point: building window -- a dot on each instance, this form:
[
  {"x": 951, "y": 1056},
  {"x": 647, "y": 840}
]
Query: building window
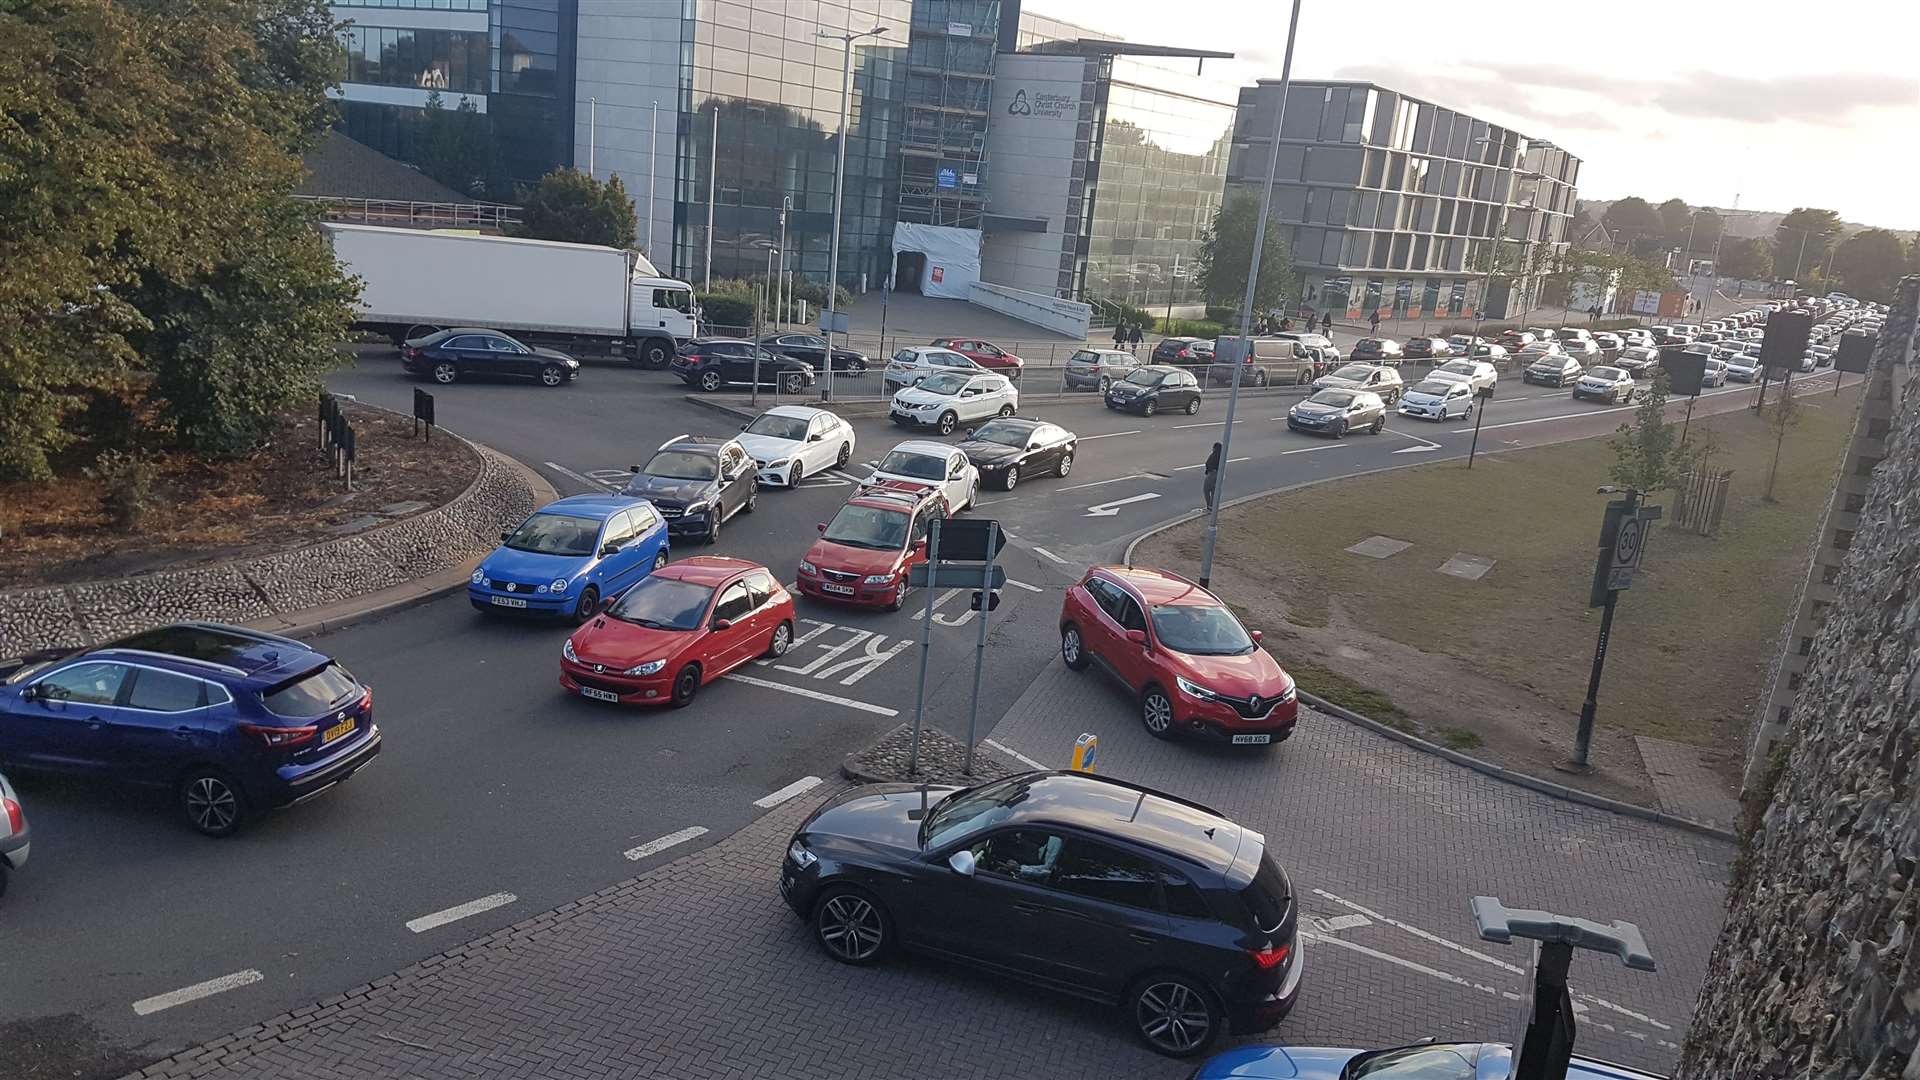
[
  {"x": 454, "y": 61},
  {"x": 436, "y": 5}
]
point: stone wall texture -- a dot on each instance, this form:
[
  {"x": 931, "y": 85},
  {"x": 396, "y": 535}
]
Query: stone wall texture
[
  {"x": 284, "y": 583},
  {"x": 1816, "y": 972}
]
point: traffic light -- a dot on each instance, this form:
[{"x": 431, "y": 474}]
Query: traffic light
[{"x": 993, "y": 600}]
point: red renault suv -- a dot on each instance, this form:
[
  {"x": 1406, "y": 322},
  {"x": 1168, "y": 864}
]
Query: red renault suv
[{"x": 1195, "y": 668}]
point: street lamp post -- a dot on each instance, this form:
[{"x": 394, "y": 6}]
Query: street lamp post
[
  {"x": 839, "y": 181},
  {"x": 713, "y": 161},
  {"x": 1246, "y": 305},
  {"x": 653, "y": 169},
  {"x": 786, "y": 206}
]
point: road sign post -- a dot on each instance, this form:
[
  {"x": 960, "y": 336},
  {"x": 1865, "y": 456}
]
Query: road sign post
[
  {"x": 1623, "y": 543},
  {"x": 967, "y": 542},
  {"x": 926, "y": 646},
  {"x": 980, "y": 646}
]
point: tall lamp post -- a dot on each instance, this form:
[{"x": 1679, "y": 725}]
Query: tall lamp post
[
  {"x": 839, "y": 181},
  {"x": 1246, "y": 304},
  {"x": 786, "y": 207}
]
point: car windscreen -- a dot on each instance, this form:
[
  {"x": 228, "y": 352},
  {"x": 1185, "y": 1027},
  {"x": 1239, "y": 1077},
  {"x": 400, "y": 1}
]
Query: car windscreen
[
  {"x": 1200, "y": 630},
  {"x": 1458, "y": 367},
  {"x": 1436, "y": 387},
  {"x": 944, "y": 383},
  {"x": 868, "y": 527},
  {"x": 663, "y": 603},
  {"x": 1012, "y": 435},
  {"x": 1339, "y": 399},
  {"x": 1144, "y": 377},
  {"x": 310, "y": 695},
  {"x": 791, "y": 428},
  {"x": 1356, "y": 372},
  {"x": 682, "y": 465},
  {"x": 967, "y": 812},
  {"x": 555, "y": 534},
  {"x": 1608, "y": 374},
  {"x": 918, "y": 466}
]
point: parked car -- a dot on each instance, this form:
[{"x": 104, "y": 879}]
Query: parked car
[
  {"x": 1578, "y": 343},
  {"x": 1515, "y": 339},
  {"x": 711, "y": 363},
  {"x": 1438, "y": 399},
  {"x": 1610, "y": 346},
  {"x": 1427, "y": 348},
  {"x": 1716, "y": 372},
  {"x": 1421, "y": 1061},
  {"x": 1480, "y": 375},
  {"x": 1010, "y": 449},
  {"x": 791, "y": 442},
  {"x": 916, "y": 362},
  {"x": 937, "y": 466},
  {"x": 1377, "y": 350},
  {"x": 1605, "y": 383},
  {"x": 1329, "y": 353},
  {"x": 468, "y": 352},
  {"x": 684, "y": 626},
  {"x": 1743, "y": 367},
  {"x": 1638, "y": 360},
  {"x": 698, "y": 483},
  {"x": 1637, "y": 337},
  {"x": 1336, "y": 412},
  {"x": 16, "y": 839},
  {"x": 1372, "y": 378},
  {"x": 985, "y": 353},
  {"x": 1493, "y": 354},
  {"x": 1097, "y": 369},
  {"x": 812, "y": 348},
  {"x": 875, "y": 538},
  {"x": 947, "y": 400},
  {"x": 1080, "y": 883},
  {"x": 1552, "y": 369},
  {"x": 234, "y": 721},
  {"x": 1182, "y": 351},
  {"x": 1155, "y": 388},
  {"x": 570, "y": 556},
  {"x": 1541, "y": 333}
]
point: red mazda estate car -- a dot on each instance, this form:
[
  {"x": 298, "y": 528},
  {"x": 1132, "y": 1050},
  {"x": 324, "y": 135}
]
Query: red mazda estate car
[
  {"x": 683, "y": 626},
  {"x": 1196, "y": 669},
  {"x": 864, "y": 553}
]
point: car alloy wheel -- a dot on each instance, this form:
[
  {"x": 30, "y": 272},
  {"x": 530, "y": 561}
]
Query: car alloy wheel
[
  {"x": 793, "y": 475},
  {"x": 1156, "y": 712},
  {"x": 1066, "y": 464},
  {"x": 1378, "y": 426},
  {"x": 1105, "y": 385},
  {"x": 782, "y": 640},
  {"x": 947, "y": 422},
  {"x": 1340, "y": 430},
  {"x": 213, "y": 805},
  {"x": 709, "y": 381},
  {"x": 1173, "y": 1015},
  {"x": 1193, "y": 406},
  {"x": 552, "y": 375},
  {"x": 659, "y": 559},
  {"x": 1013, "y": 477},
  {"x": 1073, "y": 651},
  {"x": 1147, "y": 409},
  {"x": 850, "y": 927},
  {"x": 753, "y": 496},
  {"x": 588, "y": 606},
  {"x": 1005, "y": 410},
  {"x": 793, "y": 383},
  {"x": 846, "y": 455},
  {"x": 445, "y": 372},
  {"x": 713, "y": 524},
  {"x": 685, "y": 685}
]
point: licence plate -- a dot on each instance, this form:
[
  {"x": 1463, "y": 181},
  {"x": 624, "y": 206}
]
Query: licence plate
[
  {"x": 843, "y": 590},
  {"x": 342, "y": 728},
  {"x": 506, "y": 601},
  {"x": 599, "y": 695},
  {"x": 1252, "y": 740}
]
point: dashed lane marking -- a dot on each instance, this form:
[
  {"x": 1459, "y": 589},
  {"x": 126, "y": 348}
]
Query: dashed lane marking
[
  {"x": 1024, "y": 585},
  {"x": 1098, "y": 483},
  {"x": 460, "y": 911},
  {"x": 1210, "y": 423},
  {"x": 1313, "y": 449},
  {"x": 1202, "y": 465},
  {"x": 150, "y": 1005},
  {"x": 1108, "y": 435},
  {"x": 656, "y": 846},
  {"x": 798, "y": 787},
  {"x": 800, "y": 691}
]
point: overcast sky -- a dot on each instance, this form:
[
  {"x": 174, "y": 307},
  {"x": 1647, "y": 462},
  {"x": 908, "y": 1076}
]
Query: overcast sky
[{"x": 1784, "y": 105}]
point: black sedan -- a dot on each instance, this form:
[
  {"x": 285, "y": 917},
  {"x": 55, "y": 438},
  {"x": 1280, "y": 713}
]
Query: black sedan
[
  {"x": 1076, "y": 882},
  {"x": 813, "y": 349},
  {"x": 711, "y": 363},
  {"x": 1155, "y": 388},
  {"x": 697, "y": 483},
  {"x": 1010, "y": 449},
  {"x": 466, "y": 352}
]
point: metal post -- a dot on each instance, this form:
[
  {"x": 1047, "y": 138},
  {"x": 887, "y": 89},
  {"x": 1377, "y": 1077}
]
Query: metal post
[
  {"x": 926, "y": 646},
  {"x": 1584, "y": 738},
  {"x": 593, "y": 119},
  {"x": 1246, "y": 303},
  {"x": 980, "y": 646},
  {"x": 653, "y": 170},
  {"x": 1479, "y": 414},
  {"x": 713, "y": 162},
  {"x": 1171, "y": 279},
  {"x": 786, "y": 205},
  {"x": 839, "y": 180}
]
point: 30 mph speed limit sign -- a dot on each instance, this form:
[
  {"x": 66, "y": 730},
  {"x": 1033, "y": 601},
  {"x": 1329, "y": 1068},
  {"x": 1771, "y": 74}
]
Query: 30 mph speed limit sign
[{"x": 1623, "y": 543}]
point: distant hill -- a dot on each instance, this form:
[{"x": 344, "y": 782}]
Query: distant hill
[{"x": 1742, "y": 222}]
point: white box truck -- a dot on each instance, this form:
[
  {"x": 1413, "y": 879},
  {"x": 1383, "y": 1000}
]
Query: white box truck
[{"x": 579, "y": 298}]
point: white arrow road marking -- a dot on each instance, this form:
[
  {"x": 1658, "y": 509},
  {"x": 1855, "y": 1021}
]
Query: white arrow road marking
[
  {"x": 460, "y": 911},
  {"x": 1024, "y": 585},
  {"x": 1044, "y": 553},
  {"x": 1108, "y": 435},
  {"x": 147, "y": 1006},
  {"x": 1097, "y": 483},
  {"x": 1202, "y": 465},
  {"x": 1428, "y": 443},
  {"x": 1110, "y": 509},
  {"x": 587, "y": 480}
]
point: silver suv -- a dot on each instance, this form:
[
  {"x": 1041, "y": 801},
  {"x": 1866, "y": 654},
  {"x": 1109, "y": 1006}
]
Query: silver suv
[{"x": 1097, "y": 369}]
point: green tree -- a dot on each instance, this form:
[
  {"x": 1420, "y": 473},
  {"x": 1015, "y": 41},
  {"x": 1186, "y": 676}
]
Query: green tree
[
  {"x": 1226, "y": 253},
  {"x": 1633, "y": 219},
  {"x": 1802, "y": 239},
  {"x": 1783, "y": 416},
  {"x": 1706, "y": 226},
  {"x": 1644, "y": 455},
  {"x": 569, "y": 205},
  {"x": 1869, "y": 262},
  {"x": 1674, "y": 217},
  {"x": 1746, "y": 257},
  {"x": 457, "y": 145}
]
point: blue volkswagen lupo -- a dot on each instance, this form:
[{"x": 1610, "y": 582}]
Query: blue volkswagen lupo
[{"x": 571, "y": 556}]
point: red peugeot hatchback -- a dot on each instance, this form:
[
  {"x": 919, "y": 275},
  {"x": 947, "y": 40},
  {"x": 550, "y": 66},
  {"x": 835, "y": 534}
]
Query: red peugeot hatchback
[
  {"x": 683, "y": 626},
  {"x": 1195, "y": 668}
]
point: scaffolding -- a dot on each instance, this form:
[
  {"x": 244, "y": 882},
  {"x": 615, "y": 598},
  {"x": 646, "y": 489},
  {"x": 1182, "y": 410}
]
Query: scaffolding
[{"x": 943, "y": 145}]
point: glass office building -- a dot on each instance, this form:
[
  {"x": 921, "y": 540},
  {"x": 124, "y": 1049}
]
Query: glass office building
[{"x": 1395, "y": 206}]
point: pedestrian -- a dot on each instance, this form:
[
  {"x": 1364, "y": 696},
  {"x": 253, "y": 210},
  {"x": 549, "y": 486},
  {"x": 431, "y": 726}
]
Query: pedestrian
[
  {"x": 1119, "y": 334},
  {"x": 1326, "y": 321},
  {"x": 1373, "y": 322},
  {"x": 1133, "y": 339},
  {"x": 1212, "y": 474}
]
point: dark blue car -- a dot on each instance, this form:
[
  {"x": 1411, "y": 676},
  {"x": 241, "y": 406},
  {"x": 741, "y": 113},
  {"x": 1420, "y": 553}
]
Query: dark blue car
[
  {"x": 1422, "y": 1061},
  {"x": 571, "y": 556},
  {"x": 233, "y": 720}
]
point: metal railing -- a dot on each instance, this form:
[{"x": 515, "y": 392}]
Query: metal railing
[{"x": 417, "y": 215}]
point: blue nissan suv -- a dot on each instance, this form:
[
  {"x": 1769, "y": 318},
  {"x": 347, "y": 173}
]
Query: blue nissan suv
[
  {"x": 570, "y": 557},
  {"x": 233, "y": 720}
]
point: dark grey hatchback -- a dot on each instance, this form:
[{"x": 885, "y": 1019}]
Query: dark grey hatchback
[{"x": 1084, "y": 884}]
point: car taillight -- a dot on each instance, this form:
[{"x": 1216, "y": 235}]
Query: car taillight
[
  {"x": 366, "y": 698},
  {"x": 1268, "y": 959},
  {"x": 1186, "y": 354},
  {"x": 281, "y": 738},
  {"x": 410, "y": 353},
  {"x": 16, "y": 817}
]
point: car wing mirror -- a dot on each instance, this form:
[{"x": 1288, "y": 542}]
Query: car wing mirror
[
  {"x": 31, "y": 693},
  {"x": 633, "y": 468},
  {"x": 962, "y": 862},
  {"x": 611, "y": 547},
  {"x": 723, "y": 624},
  {"x": 969, "y": 433},
  {"x": 816, "y": 437},
  {"x": 820, "y": 526},
  {"x": 1138, "y": 637},
  {"x": 503, "y": 537},
  {"x": 920, "y": 544},
  {"x": 1255, "y": 634}
]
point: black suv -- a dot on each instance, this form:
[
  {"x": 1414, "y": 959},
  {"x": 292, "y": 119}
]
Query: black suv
[
  {"x": 1080, "y": 883},
  {"x": 711, "y": 363},
  {"x": 696, "y": 483}
]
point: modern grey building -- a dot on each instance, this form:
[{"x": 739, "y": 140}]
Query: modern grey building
[{"x": 1396, "y": 206}]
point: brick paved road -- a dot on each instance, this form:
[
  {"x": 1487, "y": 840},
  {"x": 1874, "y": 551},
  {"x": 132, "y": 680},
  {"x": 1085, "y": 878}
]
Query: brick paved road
[{"x": 697, "y": 970}]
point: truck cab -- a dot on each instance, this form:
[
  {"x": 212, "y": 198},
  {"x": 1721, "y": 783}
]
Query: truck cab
[{"x": 659, "y": 309}]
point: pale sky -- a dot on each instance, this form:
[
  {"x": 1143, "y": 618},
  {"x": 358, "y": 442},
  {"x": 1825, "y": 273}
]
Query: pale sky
[{"x": 1783, "y": 104}]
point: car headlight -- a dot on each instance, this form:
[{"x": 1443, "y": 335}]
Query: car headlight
[
  {"x": 566, "y": 650},
  {"x": 801, "y": 857},
  {"x": 775, "y": 464},
  {"x": 699, "y": 507},
  {"x": 651, "y": 667},
  {"x": 877, "y": 579},
  {"x": 1293, "y": 690},
  {"x": 808, "y": 568},
  {"x": 479, "y": 575},
  {"x": 1194, "y": 689},
  {"x": 559, "y": 585}
]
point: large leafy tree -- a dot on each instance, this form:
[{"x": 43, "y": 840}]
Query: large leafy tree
[
  {"x": 1869, "y": 262},
  {"x": 1802, "y": 239},
  {"x": 1746, "y": 257},
  {"x": 1674, "y": 216},
  {"x": 1226, "y": 254},
  {"x": 1633, "y": 219},
  {"x": 569, "y": 205}
]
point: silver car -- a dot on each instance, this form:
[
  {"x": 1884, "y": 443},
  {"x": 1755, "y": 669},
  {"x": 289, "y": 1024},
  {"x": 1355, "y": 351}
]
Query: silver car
[
  {"x": 1373, "y": 378},
  {"x": 1438, "y": 399},
  {"x": 1336, "y": 412},
  {"x": 1097, "y": 369},
  {"x": 14, "y": 837}
]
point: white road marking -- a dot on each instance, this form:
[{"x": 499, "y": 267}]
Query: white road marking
[
  {"x": 1603, "y": 412},
  {"x": 798, "y": 787},
  {"x": 920, "y": 612},
  {"x": 460, "y": 911},
  {"x": 1050, "y": 555},
  {"x": 1444, "y": 976},
  {"x": 587, "y": 480},
  {"x": 1108, "y": 435},
  {"x": 1202, "y": 465},
  {"x": 1024, "y": 585},
  {"x": 150, "y": 1005},
  {"x": 1014, "y": 754},
  {"x": 1311, "y": 449},
  {"x": 655, "y": 847},
  {"x": 1097, "y": 483},
  {"x": 849, "y": 477},
  {"x": 816, "y": 695},
  {"x": 1344, "y": 922},
  {"x": 1110, "y": 509},
  {"x": 1210, "y": 423},
  {"x": 1415, "y": 438}
]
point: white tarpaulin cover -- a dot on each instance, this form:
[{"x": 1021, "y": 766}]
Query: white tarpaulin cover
[{"x": 953, "y": 257}]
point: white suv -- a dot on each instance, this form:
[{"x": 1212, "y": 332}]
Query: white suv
[{"x": 914, "y": 363}]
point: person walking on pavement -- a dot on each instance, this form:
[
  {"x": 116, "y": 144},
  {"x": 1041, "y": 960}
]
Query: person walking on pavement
[
  {"x": 1133, "y": 339},
  {"x": 1373, "y": 323},
  {"x": 1119, "y": 334},
  {"x": 1326, "y": 322},
  {"x": 1212, "y": 474}
]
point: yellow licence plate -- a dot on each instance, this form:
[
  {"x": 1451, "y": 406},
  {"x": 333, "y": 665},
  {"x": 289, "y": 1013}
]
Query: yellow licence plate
[{"x": 337, "y": 730}]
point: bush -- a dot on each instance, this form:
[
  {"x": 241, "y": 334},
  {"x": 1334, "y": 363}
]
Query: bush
[
  {"x": 126, "y": 486},
  {"x": 1200, "y": 328}
]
